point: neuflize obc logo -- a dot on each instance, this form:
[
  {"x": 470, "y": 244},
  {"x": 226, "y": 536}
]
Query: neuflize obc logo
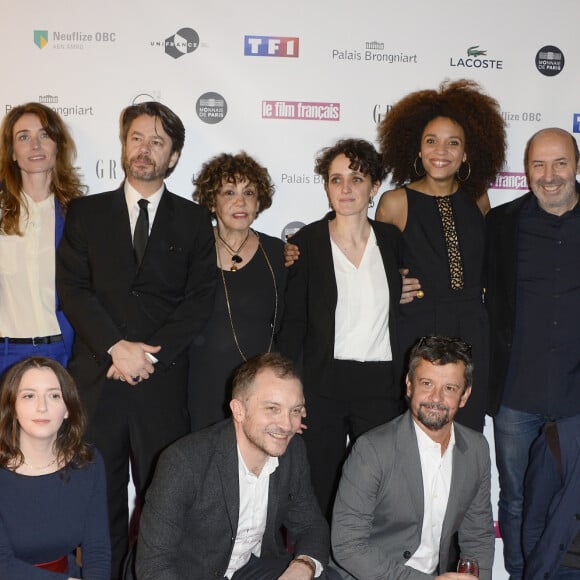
[
  {"x": 280, "y": 46},
  {"x": 41, "y": 38}
]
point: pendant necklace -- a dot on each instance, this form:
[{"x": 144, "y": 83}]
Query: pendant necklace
[
  {"x": 236, "y": 258},
  {"x": 229, "y": 307}
]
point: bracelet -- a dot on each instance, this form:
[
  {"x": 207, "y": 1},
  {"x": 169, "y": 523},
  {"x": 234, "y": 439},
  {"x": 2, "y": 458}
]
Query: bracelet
[{"x": 306, "y": 562}]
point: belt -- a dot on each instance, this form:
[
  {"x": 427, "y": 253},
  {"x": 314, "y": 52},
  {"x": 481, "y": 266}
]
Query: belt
[
  {"x": 60, "y": 565},
  {"x": 35, "y": 340}
]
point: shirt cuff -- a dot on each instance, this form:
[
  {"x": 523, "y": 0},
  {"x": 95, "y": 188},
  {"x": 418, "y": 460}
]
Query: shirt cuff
[{"x": 318, "y": 565}]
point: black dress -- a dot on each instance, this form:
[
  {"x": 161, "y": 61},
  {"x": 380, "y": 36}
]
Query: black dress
[
  {"x": 213, "y": 354},
  {"x": 444, "y": 310}
]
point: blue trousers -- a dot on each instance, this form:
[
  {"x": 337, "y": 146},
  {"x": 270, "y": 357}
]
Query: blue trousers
[
  {"x": 12, "y": 353},
  {"x": 514, "y": 433}
]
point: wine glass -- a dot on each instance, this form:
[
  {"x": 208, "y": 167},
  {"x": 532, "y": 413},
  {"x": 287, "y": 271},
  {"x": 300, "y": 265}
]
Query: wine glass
[{"x": 468, "y": 565}]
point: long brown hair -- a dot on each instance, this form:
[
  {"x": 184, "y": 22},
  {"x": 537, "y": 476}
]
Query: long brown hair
[
  {"x": 70, "y": 447},
  {"x": 66, "y": 183}
]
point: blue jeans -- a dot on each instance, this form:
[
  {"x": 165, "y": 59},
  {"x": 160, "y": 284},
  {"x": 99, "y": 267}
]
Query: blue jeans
[{"x": 514, "y": 433}]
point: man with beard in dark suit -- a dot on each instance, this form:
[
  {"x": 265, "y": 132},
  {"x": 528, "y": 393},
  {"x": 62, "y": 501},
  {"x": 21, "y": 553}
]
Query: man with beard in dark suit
[{"x": 136, "y": 275}]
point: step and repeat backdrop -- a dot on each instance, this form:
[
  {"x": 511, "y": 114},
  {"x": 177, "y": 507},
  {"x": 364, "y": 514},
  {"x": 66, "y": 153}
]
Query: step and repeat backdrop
[{"x": 283, "y": 79}]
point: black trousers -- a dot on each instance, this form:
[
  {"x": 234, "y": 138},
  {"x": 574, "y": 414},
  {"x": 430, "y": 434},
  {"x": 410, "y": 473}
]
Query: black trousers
[
  {"x": 364, "y": 395},
  {"x": 130, "y": 428}
]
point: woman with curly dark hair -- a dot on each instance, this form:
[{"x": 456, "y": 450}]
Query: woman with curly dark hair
[
  {"x": 443, "y": 148},
  {"x": 37, "y": 182},
  {"x": 52, "y": 484},
  {"x": 340, "y": 313},
  {"x": 252, "y": 278}
]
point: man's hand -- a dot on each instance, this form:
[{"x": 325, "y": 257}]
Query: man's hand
[
  {"x": 298, "y": 569},
  {"x": 411, "y": 287},
  {"x": 130, "y": 361},
  {"x": 291, "y": 254}
]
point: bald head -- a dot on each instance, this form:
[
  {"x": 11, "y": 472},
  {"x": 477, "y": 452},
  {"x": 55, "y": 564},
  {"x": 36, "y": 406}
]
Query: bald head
[{"x": 551, "y": 161}]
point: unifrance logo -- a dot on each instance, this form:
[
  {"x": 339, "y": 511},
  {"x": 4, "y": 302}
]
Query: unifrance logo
[
  {"x": 550, "y": 61},
  {"x": 473, "y": 59},
  {"x": 41, "y": 38},
  {"x": 576, "y": 123},
  {"x": 280, "y": 46},
  {"x": 184, "y": 41},
  {"x": 301, "y": 110}
]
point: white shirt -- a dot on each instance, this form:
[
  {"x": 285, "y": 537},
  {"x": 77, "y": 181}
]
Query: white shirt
[
  {"x": 361, "y": 317},
  {"x": 27, "y": 271},
  {"x": 437, "y": 471},
  {"x": 253, "y": 515},
  {"x": 132, "y": 197}
]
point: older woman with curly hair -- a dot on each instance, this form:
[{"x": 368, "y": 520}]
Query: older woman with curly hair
[
  {"x": 52, "y": 484},
  {"x": 252, "y": 278},
  {"x": 37, "y": 182},
  {"x": 340, "y": 313},
  {"x": 443, "y": 148}
]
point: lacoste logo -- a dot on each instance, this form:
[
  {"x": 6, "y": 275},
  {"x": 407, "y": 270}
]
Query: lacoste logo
[{"x": 473, "y": 51}]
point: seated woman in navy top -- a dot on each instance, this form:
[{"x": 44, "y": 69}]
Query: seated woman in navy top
[{"x": 52, "y": 484}]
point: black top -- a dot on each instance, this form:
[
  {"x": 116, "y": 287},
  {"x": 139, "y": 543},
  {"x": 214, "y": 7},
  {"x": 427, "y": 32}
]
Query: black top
[
  {"x": 444, "y": 310},
  {"x": 425, "y": 251},
  {"x": 543, "y": 373},
  {"x": 213, "y": 353}
]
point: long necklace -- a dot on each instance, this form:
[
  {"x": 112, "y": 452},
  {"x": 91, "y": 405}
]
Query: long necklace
[
  {"x": 236, "y": 258},
  {"x": 227, "y": 295}
]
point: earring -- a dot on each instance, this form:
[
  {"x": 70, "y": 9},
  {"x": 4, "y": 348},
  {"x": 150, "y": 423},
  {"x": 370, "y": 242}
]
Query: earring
[
  {"x": 371, "y": 202},
  {"x": 462, "y": 179},
  {"x": 415, "y": 167}
]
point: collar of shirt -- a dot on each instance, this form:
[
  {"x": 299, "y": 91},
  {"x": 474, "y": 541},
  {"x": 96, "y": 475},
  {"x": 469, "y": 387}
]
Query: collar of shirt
[
  {"x": 269, "y": 467},
  {"x": 535, "y": 208},
  {"x": 132, "y": 197},
  {"x": 426, "y": 444}
]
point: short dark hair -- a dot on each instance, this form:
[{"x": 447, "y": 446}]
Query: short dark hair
[
  {"x": 442, "y": 350},
  {"x": 170, "y": 122},
  {"x": 69, "y": 445},
  {"x": 245, "y": 375},
  {"x": 362, "y": 155},
  {"x": 556, "y": 130},
  {"x": 232, "y": 169}
]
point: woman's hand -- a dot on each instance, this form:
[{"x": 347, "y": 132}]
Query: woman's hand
[
  {"x": 291, "y": 254},
  {"x": 411, "y": 287}
]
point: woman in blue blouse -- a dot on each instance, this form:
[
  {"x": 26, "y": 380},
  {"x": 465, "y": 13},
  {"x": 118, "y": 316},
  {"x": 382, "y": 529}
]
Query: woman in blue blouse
[{"x": 52, "y": 484}]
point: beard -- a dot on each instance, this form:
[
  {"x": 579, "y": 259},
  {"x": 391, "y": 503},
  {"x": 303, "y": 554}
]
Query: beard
[
  {"x": 435, "y": 422},
  {"x": 148, "y": 172}
]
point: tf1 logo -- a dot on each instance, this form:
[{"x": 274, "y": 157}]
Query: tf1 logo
[{"x": 287, "y": 46}]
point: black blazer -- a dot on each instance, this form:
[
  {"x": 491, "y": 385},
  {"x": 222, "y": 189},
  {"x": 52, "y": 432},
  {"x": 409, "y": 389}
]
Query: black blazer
[
  {"x": 311, "y": 295},
  {"x": 165, "y": 301},
  {"x": 500, "y": 279},
  {"x": 190, "y": 520}
]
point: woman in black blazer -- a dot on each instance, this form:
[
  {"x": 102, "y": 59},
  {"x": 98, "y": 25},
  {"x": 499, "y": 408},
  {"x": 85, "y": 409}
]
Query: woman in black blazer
[{"x": 340, "y": 313}]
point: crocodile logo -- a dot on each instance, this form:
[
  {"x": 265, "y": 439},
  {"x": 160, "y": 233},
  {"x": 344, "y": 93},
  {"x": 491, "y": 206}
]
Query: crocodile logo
[{"x": 473, "y": 51}]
